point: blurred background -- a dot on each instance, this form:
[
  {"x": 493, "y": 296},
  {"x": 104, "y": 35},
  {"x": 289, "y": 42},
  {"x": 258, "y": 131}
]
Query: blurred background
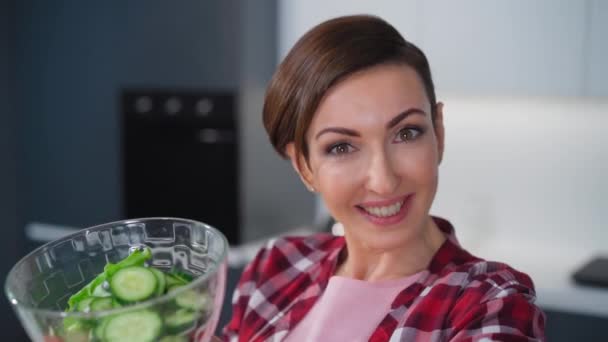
[{"x": 114, "y": 109}]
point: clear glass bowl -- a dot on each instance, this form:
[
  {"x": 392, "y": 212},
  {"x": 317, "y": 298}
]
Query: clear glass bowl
[{"x": 40, "y": 284}]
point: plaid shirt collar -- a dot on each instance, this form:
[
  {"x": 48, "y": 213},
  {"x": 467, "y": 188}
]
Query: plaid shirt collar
[{"x": 450, "y": 252}]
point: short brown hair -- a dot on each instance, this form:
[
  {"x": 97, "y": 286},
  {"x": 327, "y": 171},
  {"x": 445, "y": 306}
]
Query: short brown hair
[{"x": 326, "y": 54}]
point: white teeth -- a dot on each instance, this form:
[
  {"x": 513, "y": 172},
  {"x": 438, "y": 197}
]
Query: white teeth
[{"x": 384, "y": 211}]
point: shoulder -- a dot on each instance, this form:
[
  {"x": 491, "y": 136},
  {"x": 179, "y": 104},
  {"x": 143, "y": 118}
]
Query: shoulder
[
  {"x": 470, "y": 281},
  {"x": 469, "y": 275},
  {"x": 301, "y": 252},
  {"x": 489, "y": 299},
  {"x": 490, "y": 291},
  {"x": 481, "y": 280},
  {"x": 495, "y": 301}
]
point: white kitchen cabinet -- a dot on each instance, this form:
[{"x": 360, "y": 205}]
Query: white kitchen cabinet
[
  {"x": 513, "y": 48},
  {"x": 596, "y": 72},
  {"x": 505, "y": 47}
]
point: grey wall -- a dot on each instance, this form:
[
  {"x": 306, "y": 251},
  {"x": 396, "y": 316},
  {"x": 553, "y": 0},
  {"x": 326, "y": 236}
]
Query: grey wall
[
  {"x": 596, "y": 54},
  {"x": 273, "y": 198},
  {"x": 11, "y": 243},
  {"x": 8, "y": 174},
  {"x": 72, "y": 58}
]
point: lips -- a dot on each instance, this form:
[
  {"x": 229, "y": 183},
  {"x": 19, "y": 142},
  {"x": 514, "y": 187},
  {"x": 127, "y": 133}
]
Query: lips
[{"x": 386, "y": 212}]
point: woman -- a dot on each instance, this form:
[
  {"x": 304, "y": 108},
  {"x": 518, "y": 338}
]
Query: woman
[{"x": 353, "y": 107}]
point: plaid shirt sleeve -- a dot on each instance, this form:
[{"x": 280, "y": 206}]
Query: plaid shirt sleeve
[
  {"x": 497, "y": 306},
  {"x": 278, "y": 287},
  {"x": 242, "y": 294}
]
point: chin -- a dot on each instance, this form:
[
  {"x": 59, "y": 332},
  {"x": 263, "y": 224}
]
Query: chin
[{"x": 387, "y": 239}]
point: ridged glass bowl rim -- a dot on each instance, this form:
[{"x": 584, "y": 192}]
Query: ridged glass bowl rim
[{"x": 214, "y": 267}]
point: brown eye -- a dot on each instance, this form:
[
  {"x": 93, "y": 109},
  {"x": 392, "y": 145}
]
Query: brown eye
[
  {"x": 339, "y": 149},
  {"x": 408, "y": 134}
]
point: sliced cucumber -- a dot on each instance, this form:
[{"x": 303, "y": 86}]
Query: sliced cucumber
[
  {"x": 160, "y": 278},
  {"x": 173, "y": 288},
  {"x": 173, "y": 338},
  {"x": 173, "y": 280},
  {"x": 100, "y": 304},
  {"x": 98, "y": 332},
  {"x": 191, "y": 299},
  {"x": 101, "y": 292},
  {"x": 75, "y": 328},
  {"x": 136, "y": 258},
  {"x": 180, "y": 321},
  {"x": 133, "y": 284},
  {"x": 137, "y": 326},
  {"x": 84, "y": 305},
  {"x": 116, "y": 303}
]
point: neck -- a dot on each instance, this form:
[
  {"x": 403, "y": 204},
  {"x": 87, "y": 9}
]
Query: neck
[{"x": 364, "y": 263}]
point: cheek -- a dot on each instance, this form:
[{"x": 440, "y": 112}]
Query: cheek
[
  {"x": 419, "y": 169},
  {"x": 338, "y": 182},
  {"x": 421, "y": 163}
]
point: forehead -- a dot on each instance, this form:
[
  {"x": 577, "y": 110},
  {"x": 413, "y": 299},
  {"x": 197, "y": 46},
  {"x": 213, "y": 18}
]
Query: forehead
[{"x": 374, "y": 94}]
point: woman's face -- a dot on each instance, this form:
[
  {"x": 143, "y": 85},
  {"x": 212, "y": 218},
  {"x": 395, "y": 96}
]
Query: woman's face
[{"x": 374, "y": 154}]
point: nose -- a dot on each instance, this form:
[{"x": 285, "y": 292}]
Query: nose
[{"x": 383, "y": 178}]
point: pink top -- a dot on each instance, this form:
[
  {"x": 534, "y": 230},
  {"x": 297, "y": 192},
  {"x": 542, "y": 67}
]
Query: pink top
[{"x": 349, "y": 309}]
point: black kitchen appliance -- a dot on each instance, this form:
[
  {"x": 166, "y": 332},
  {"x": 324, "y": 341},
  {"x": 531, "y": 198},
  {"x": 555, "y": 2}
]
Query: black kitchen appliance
[
  {"x": 593, "y": 273},
  {"x": 180, "y": 156}
]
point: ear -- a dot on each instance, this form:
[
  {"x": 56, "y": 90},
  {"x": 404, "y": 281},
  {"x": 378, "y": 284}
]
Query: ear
[
  {"x": 300, "y": 165},
  {"x": 439, "y": 130}
]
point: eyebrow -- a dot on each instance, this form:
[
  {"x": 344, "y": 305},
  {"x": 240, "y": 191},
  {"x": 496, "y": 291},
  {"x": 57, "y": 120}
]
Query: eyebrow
[
  {"x": 399, "y": 117},
  {"x": 392, "y": 123}
]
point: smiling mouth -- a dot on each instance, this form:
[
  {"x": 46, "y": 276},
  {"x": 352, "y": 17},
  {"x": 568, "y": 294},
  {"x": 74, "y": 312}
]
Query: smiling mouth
[{"x": 383, "y": 211}]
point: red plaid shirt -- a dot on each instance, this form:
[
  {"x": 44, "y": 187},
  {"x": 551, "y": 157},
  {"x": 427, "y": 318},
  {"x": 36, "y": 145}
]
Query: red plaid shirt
[{"x": 458, "y": 298}]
